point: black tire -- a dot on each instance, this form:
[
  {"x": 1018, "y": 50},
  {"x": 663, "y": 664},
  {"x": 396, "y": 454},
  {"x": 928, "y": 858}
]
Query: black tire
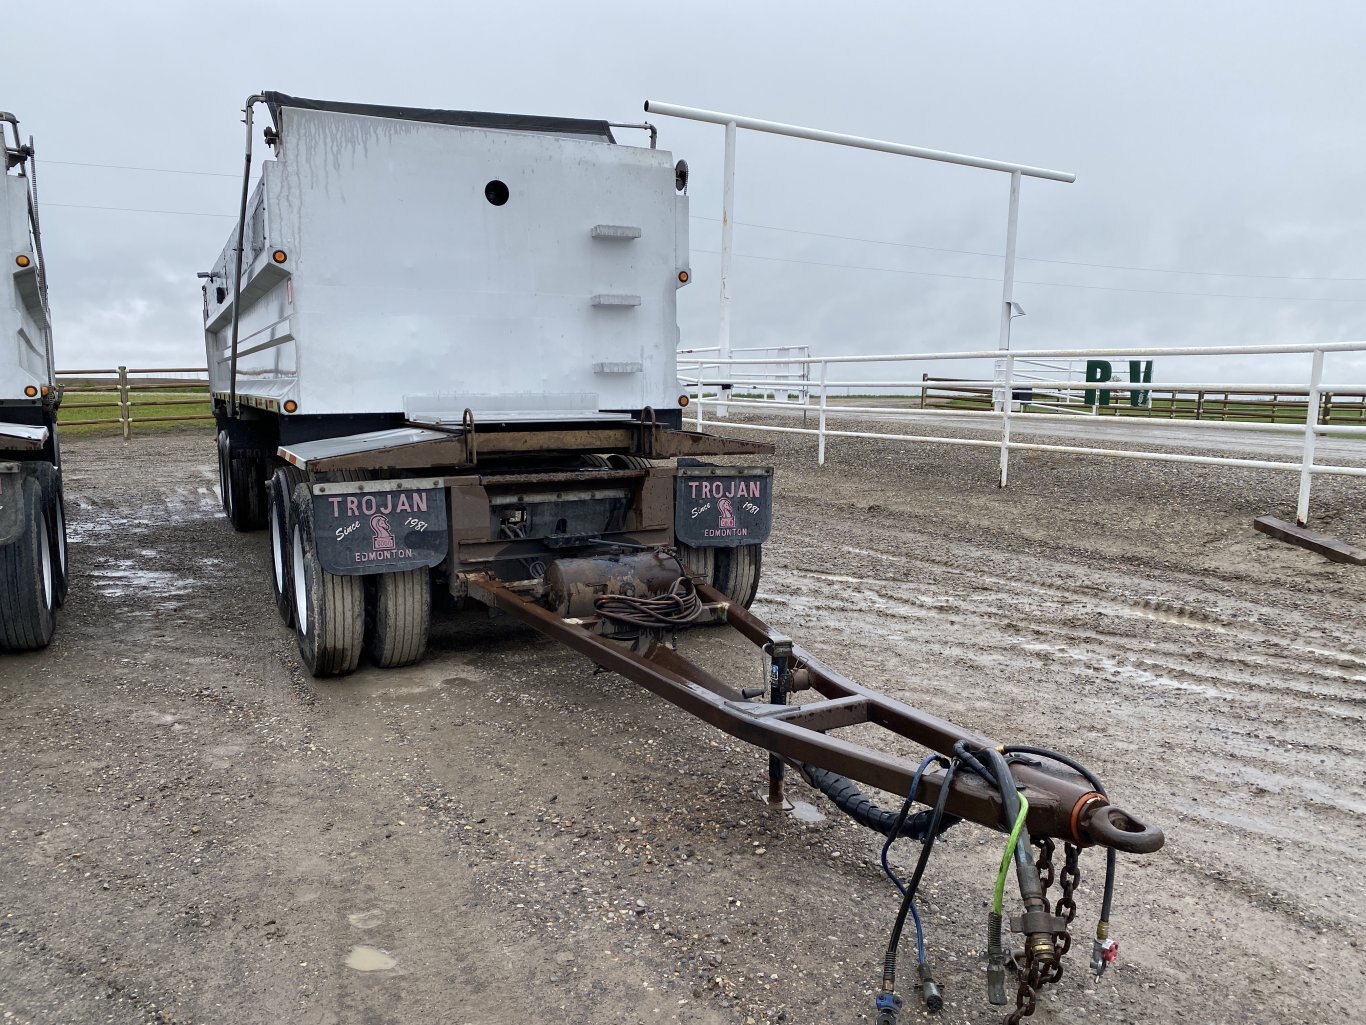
[
  {"x": 399, "y": 616},
  {"x": 54, "y": 504},
  {"x": 245, "y": 490},
  {"x": 618, "y": 461},
  {"x": 737, "y": 573},
  {"x": 280, "y": 503},
  {"x": 222, "y": 442},
  {"x": 699, "y": 562},
  {"x": 329, "y": 610},
  {"x": 28, "y": 612}
]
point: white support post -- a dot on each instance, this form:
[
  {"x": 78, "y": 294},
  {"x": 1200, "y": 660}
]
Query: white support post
[
  {"x": 699, "y": 396},
  {"x": 1005, "y": 420},
  {"x": 820, "y": 433},
  {"x": 727, "y": 236},
  {"x": 1311, "y": 422},
  {"x": 1008, "y": 282}
]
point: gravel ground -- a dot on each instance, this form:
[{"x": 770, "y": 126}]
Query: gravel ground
[{"x": 198, "y": 833}]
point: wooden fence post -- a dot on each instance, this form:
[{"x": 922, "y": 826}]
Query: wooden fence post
[{"x": 124, "y": 418}]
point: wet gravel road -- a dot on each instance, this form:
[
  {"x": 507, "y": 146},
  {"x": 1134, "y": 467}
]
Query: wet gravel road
[{"x": 197, "y": 833}]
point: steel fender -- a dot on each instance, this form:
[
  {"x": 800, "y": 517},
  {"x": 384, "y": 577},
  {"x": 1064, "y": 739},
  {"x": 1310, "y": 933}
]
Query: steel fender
[
  {"x": 12, "y": 523},
  {"x": 723, "y": 506},
  {"x": 382, "y": 529}
]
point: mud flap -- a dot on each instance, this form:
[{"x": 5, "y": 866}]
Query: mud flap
[
  {"x": 723, "y": 506},
  {"x": 379, "y": 527},
  {"x": 12, "y": 523}
]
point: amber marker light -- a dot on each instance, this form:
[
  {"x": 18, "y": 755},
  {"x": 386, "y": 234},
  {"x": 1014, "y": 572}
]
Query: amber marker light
[
  {"x": 682, "y": 400},
  {"x": 683, "y": 276},
  {"x": 291, "y": 406},
  {"x": 22, "y": 260},
  {"x": 31, "y": 391},
  {"x": 279, "y": 256}
]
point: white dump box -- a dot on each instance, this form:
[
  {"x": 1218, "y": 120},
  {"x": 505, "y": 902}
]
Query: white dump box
[
  {"x": 25, "y": 364},
  {"x": 33, "y": 566},
  {"x": 426, "y": 262}
]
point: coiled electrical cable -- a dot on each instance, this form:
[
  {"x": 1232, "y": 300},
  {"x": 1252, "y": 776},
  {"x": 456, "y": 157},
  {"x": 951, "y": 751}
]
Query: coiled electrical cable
[{"x": 678, "y": 606}]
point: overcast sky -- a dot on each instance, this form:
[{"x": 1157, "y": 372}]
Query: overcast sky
[{"x": 1218, "y": 137}]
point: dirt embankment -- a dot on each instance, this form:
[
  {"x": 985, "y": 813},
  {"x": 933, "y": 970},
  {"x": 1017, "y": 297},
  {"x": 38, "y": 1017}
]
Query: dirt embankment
[{"x": 197, "y": 833}]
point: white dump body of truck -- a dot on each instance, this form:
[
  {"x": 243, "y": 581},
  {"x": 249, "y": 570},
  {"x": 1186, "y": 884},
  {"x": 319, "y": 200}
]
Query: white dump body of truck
[
  {"x": 23, "y": 325},
  {"x": 380, "y": 275}
]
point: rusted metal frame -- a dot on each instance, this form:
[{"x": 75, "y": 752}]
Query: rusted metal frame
[
  {"x": 672, "y": 662},
  {"x": 670, "y": 444},
  {"x": 831, "y": 714},
  {"x": 523, "y": 548},
  {"x": 935, "y": 733},
  {"x": 1059, "y": 806},
  {"x": 588, "y": 475},
  {"x": 455, "y": 449}
]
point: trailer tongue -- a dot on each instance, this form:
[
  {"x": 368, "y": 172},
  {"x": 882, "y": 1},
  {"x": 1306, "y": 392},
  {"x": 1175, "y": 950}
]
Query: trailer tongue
[{"x": 1026, "y": 792}]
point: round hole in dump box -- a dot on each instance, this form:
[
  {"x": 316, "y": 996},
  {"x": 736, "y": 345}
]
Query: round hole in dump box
[{"x": 496, "y": 192}]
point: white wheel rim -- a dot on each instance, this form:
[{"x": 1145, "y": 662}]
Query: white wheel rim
[
  {"x": 277, "y": 551},
  {"x": 45, "y": 558},
  {"x": 61, "y": 539},
  {"x": 300, "y": 585}
]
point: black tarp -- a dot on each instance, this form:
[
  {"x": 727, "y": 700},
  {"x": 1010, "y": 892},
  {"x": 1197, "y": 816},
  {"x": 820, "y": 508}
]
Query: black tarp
[{"x": 465, "y": 118}]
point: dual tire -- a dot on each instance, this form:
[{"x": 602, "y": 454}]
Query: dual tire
[
  {"x": 242, "y": 484},
  {"x": 33, "y": 567},
  {"x": 337, "y": 618},
  {"x": 732, "y": 571}
]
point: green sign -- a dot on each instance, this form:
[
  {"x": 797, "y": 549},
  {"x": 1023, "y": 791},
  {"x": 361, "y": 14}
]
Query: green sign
[{"x": 1100, "y": 371}]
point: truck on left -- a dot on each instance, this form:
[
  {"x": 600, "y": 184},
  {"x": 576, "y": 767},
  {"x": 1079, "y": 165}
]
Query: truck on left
[{"x": 33, "y": 565}]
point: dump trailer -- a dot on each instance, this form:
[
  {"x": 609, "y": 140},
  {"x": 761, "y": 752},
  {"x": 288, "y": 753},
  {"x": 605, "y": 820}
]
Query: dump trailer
[
  {"x": 484, "y": 304},
  {"x": 33, "y": 566},
  {"x": 441, "y": 346}
]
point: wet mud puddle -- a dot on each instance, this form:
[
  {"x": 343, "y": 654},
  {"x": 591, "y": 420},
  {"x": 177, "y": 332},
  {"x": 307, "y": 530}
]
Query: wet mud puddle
[{"x": 365, "y": 958}]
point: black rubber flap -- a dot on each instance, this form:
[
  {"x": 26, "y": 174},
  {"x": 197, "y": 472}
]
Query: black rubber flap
[{"x": 465, "y": 118}]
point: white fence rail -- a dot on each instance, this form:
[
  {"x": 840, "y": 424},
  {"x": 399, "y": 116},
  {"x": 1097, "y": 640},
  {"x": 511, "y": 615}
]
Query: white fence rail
[
  {"x": 1009, "y": 309},
  {"x": 788, "y": 373},
  {"x": 821, "y": 368}
]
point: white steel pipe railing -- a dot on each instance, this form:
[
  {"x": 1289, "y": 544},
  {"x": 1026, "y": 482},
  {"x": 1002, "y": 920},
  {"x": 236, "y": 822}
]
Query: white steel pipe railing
[
  {"x": 755, "y": 124},
  {"x": 967, "y": 415},
  {"x": 732, "y": 122},
  {"x": 1118, "y": 352},
  {"x": 1004, "y": 414}
]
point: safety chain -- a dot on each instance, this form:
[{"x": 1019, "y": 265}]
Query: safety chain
[
  {"x": 1031, "y": 978},
  {"x": 1033, "y": 975}
]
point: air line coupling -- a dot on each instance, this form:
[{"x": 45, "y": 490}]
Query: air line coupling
[
  {"x": 888, "y": 1006},
  {"x": 1040, "y": 927},
  {"x": 1103, "y": 949}
]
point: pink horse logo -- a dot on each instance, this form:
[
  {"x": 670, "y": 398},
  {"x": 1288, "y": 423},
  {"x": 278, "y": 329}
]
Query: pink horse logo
[
  {"x": 384, "y": 537},
  {"x": 727, "y": 518}
]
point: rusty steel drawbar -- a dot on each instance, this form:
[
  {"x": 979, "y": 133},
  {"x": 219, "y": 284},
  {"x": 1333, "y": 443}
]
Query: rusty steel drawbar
[{"x": 1035, "y": 796}]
